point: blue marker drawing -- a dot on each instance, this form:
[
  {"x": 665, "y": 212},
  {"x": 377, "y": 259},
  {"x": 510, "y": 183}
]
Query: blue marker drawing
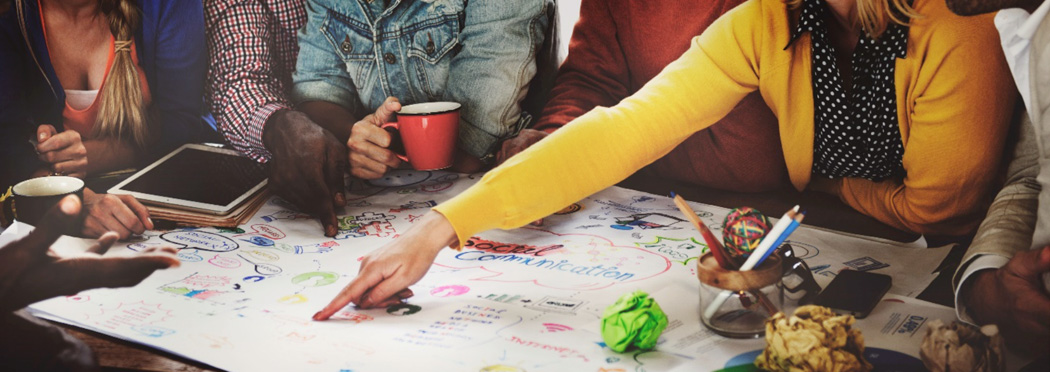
[
  {"x": 190, "y": 255},
  {"x": 204, "y": 241},
  {"x": 260, "y": 241},
  {"x": 152, "y": 331}
]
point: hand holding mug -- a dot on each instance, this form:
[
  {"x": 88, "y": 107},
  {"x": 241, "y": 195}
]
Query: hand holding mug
[
  {"x": 65, "y": 152},
  {"x": 370, "y": 156},
  {"x": 428, "y": 132}
]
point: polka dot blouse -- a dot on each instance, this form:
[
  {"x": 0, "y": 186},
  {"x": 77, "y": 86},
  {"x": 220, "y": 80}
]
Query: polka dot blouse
[{"x": 856, "y": 135}]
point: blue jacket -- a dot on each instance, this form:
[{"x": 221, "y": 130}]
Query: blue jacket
[
  {"x": 478, "y": 53},
  {"x": 171, "y": 50}
]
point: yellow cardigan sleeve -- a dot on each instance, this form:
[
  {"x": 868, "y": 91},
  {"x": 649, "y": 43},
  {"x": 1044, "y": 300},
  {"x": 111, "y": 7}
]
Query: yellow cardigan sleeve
[
  {"x": 958, "y": 121},
  {"x": 606, "y": 145}
]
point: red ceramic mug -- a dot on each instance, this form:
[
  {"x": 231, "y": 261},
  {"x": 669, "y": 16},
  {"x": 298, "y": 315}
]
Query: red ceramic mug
[{"x": 428, "y": 132}]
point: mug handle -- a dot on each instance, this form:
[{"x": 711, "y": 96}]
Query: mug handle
[{"x": 396, "y": 144}]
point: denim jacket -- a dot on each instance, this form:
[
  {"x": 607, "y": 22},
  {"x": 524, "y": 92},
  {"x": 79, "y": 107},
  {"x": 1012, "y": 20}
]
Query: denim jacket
[{"x": 481, "y": 53}]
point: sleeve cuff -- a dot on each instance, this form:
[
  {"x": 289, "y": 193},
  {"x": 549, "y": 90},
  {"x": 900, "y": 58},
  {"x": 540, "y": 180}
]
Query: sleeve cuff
[
  {"x": 256, "y": 148},
  {"x": 976, "y": 263},
  {"x": 462, "y": 211}
]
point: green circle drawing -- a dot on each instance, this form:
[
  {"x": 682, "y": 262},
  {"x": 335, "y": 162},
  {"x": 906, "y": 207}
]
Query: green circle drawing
[{"x": 323, "y": 278}]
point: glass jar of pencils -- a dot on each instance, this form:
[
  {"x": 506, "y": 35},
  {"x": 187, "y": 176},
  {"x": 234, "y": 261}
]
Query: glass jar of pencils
[{"x": 735, "y": 303}]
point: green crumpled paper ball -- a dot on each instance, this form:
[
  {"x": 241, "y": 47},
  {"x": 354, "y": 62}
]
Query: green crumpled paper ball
[{"x": 635, "y": 319}]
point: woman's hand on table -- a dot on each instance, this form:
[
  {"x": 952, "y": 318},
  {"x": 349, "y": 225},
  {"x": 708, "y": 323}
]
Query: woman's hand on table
[
  {"x": 120, "y": 214},
  {"x": 64, "y": 152},
  {"x": 30, "y": 271},
  {"x": 387, "y": 272}
]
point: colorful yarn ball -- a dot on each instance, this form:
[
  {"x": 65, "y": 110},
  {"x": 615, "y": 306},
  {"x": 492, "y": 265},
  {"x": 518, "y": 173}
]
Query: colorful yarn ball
[{"x": 744, "y": 228}]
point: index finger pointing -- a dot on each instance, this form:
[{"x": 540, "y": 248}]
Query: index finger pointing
[
  {"x": 140, "y": 210},
  {"x": 352, "y": 293},
  {"x": 390, "y": 288}
]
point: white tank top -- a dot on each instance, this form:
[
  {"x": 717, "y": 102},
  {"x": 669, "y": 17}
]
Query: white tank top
[{"x": 80, "y": 99}]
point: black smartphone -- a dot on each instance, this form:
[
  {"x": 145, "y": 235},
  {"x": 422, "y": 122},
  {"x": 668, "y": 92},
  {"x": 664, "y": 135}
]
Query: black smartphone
[{"x": 854, "y": 292}]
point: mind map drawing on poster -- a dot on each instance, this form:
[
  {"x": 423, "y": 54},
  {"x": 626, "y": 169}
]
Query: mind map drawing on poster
[{"x": 529, "y": 298}]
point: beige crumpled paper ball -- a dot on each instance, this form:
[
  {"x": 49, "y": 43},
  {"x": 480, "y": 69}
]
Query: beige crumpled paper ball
[
  {"x": 814, "y": 339},
  {"x": 961, "y": 347}
]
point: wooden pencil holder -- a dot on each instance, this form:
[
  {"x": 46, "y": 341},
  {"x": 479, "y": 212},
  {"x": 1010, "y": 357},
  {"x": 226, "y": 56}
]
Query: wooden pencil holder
[{"x": 736, "y": 303}]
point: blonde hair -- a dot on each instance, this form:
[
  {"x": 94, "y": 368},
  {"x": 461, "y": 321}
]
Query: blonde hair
[
  {"x": 875, "y": 15},
  {"x": 122, "y": 109}
]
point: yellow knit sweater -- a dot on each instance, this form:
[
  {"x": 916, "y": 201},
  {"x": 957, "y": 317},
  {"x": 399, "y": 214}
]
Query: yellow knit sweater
[{"x": 954, "y": 101}]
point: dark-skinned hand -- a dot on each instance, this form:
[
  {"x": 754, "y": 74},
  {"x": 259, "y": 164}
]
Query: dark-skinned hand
[
  {"x": 307, "y": 167},
  {"x": 1013, "y": 298},
  {"x": 30, "y": 271}
]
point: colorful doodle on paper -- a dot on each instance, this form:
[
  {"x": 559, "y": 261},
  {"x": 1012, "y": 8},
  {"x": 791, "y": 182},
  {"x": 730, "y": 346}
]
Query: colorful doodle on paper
[{"x": 528, "y": 299}]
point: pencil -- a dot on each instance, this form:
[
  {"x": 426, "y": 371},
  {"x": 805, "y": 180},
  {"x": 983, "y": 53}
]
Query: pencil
[
  {"x": 796, "y": 221},
  {"x": 712, "y": 242}
]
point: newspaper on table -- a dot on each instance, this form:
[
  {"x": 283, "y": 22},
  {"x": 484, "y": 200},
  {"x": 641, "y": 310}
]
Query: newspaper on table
[{"x": 527, "y": 299}]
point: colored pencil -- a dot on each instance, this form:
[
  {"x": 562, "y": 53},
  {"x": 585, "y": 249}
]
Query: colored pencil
[
  {"x": 712, "y": 242},
  {"x": 796, "y": 221}
]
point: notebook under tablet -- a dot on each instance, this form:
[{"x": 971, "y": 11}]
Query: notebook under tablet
[{"x": 197, "y": 177}]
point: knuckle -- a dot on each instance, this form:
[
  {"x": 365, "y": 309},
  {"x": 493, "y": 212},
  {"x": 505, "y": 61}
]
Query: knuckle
[{"x": 110, "y": 201}]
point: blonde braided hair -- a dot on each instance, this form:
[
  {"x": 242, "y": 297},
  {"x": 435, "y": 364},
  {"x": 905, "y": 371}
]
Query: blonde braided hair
[{"x": 122, "y": 109}]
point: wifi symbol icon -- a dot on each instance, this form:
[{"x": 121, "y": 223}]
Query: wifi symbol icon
[{"x": 554, "y": 327}]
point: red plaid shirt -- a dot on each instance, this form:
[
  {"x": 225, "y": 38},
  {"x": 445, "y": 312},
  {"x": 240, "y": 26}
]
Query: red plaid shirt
[{"x": 253, "y": 47}]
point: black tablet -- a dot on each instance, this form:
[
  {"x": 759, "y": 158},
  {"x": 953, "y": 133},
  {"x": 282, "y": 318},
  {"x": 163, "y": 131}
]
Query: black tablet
[{"x": 197, "y": 177}]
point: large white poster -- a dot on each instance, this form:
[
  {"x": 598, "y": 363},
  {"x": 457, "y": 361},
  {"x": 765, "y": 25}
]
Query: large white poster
[{"x": 528, "y": 299}]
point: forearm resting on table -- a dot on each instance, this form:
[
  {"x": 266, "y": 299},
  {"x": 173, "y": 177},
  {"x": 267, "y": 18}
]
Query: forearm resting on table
[
  {"x": 330, "y": 116},
  {"x": 106, "y": 155}
]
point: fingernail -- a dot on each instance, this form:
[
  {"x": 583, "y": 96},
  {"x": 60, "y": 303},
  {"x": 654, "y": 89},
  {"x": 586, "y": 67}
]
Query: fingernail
[
  {"x": 69, "y": 207},
  {"x": 317, "y": 316},
  {"x": 41, "y": 136}
]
